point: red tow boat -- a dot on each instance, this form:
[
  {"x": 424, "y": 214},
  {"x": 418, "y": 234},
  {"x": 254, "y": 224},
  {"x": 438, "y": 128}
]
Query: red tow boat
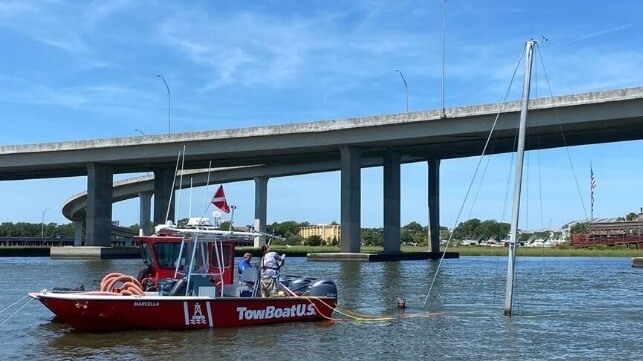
[{"x": 188, "y": 284}]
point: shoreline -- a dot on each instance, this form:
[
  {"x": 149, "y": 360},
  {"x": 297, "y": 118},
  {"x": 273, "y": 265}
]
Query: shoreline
[{"x": 303, "y": 251}]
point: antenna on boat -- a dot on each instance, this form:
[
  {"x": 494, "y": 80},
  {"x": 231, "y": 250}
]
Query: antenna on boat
[
  {"x": 216, "y": 215},
  {"x": 191, "y": 193},
  {"x": 178, "y": 198},
  {"x": 232, "y": 208},
  {"x": 511, "y": 265},
  {"x": 207, "y": 187},
  {"x": 207, "y": 204},
  {"x": 176, "y": 169}
]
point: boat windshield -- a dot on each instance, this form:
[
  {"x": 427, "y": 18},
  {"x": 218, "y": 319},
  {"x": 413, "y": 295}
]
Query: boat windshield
[
  {"x": 168, "y": 253},
  {"x": 147, "y": 256}
]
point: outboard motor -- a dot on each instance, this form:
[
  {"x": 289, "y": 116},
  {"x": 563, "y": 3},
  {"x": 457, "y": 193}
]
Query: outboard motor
[
  {"x": 323, "y": 287},
  {"x": 300, "y": 285},
  {"x": 284, "y": 280}
]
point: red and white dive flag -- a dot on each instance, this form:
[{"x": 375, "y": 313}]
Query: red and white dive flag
[{"x": 219, "y": 200}]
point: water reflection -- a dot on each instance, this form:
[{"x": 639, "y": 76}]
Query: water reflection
[{"x": 558, "y": 300}]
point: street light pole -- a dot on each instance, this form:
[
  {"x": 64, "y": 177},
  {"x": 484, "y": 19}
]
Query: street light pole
[
  {"x": 406, "y": 89},
  {"x": 444, "y": 50},
  {"x": 42, "y": 228},
  {"x": 140, "y": 131},
  {"x": 169, "y": 129}
]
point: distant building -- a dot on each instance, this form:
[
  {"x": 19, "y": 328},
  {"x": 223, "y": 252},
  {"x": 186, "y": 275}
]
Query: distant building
[
  {"x": 610, "y": 226},
  {"x": 609, "y": 231},
  {"x": 327, "y": 232}
]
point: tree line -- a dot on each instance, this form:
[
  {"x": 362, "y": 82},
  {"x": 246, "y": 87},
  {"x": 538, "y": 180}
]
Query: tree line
[
  {"x": 49, "y": 230},
  {"x": 410, "y": 234}
]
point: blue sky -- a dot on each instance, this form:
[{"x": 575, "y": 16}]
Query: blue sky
[{"x": 74, "y": 70}]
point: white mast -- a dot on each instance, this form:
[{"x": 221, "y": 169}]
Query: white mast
[{"x": 511, "y": 266}]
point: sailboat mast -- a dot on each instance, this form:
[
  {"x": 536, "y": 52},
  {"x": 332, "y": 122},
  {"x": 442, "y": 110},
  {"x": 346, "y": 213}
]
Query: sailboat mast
[{"x": 511, "y": 265}]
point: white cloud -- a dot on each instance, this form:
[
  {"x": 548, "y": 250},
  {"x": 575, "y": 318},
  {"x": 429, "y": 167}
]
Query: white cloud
[{"x": 98, "y": 10}]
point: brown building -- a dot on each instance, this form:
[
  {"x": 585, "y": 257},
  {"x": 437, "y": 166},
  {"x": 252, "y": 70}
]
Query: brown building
[{"x": 610, "y": 231}]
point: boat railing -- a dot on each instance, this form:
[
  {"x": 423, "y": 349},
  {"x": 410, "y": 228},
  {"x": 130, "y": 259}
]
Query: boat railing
[{"x": 212, "y": 235}]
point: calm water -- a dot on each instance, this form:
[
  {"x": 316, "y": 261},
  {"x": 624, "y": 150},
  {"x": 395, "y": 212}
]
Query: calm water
[{"x": 566, "y": 308}]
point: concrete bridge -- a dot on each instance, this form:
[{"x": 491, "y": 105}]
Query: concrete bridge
[{"x": 348, "y": 144}]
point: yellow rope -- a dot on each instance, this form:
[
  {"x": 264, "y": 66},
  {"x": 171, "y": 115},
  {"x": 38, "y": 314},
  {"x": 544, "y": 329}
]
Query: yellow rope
[
  {"x": 363, "y": 317},
  {"x": 354, "y": 315}
]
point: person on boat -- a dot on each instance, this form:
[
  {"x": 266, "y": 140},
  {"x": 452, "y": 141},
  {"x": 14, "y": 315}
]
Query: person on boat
[
  {"x": 244, "y": 263},
  {"x": 270, "y": 265}
]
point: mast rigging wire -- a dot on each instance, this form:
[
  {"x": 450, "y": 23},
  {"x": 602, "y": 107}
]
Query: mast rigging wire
[{"x": 474, "y": 176}]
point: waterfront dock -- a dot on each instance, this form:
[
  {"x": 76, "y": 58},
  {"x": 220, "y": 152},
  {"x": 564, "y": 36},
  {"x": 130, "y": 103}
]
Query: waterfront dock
[
  {"x": 88, "y": 252},
  {"x": 637, "y": 262}
]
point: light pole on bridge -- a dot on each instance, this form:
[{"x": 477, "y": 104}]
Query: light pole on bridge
[
  {"x": 42, "y": 228},
  {"x": 406, "y": 89},
  {"x": 169, "y": 128}
]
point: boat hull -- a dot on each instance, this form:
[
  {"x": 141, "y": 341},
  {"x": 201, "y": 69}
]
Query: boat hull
[{"x": 103, "y": 313}]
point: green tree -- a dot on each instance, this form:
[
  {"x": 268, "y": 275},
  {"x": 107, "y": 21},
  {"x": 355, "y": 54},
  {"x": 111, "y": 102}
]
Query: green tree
[
  {"x": 65, "y": 230},
  {"x": 491, "y": 229},
  {"x": 372, "y": 237},
  {"x": 286, "y": 229},
  {"x": 314, "y": 240},
  {"x": 580, "y": 228},
  {"x": 631, "y": 216},
  {"x": 467, "y": 230},
  {"x": 24, "y": 229},
  {"x": 224, "y": 225},
  {"x": 524, "y": 237},
  {"x": 414, "y": 233},
  {"x": 444, "y": 233},
  {"x": 295, "y": 240}
]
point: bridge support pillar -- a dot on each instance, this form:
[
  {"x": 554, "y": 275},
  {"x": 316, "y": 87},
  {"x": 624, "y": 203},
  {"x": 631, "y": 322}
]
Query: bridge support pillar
[
  {"x": 99, "y": 205},
  {"x": 350, "y": 199},
  {"x": 261, "y": 208},
  {"x": 434, "y": 204},
  {"x": 145, "y": 207},
  {"x": 163, "y": 195},
  {"x": 78, "y": 233},
  {"x": 391, "y": 201}
]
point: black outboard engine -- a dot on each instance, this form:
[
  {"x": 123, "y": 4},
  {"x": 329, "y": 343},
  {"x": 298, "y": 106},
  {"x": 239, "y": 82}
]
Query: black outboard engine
[
  {"x": 323, "y": 287},
  {"x": 284, "y": 280},
  {"x": 300, "y": 285}
]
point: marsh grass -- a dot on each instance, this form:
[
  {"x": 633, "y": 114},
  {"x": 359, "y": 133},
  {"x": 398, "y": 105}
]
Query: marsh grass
[{"x": 302, "y": 251}]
